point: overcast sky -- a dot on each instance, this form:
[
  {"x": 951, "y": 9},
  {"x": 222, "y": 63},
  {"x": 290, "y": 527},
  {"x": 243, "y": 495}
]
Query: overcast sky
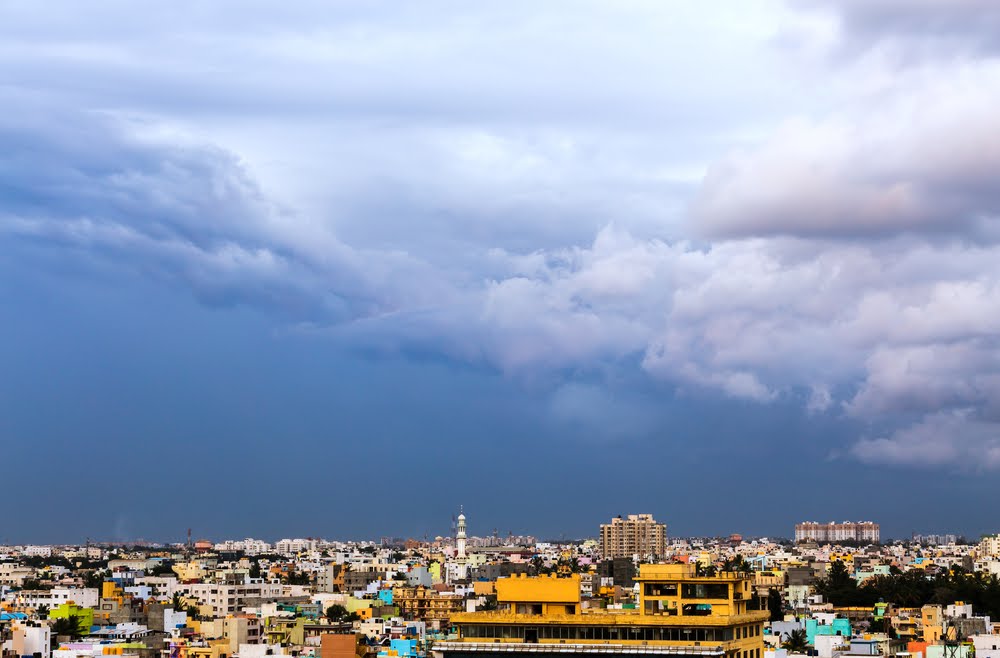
[{"x": 336, "y": 268}]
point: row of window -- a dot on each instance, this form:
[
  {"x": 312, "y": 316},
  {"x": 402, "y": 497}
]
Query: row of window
[
  {"x": 689, "y": 590},
  {"x": 632, "y": 633}
]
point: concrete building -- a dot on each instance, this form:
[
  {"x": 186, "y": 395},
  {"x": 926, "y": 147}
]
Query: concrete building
[
  {"x": 357, "y": 581},
  {"x": 330, "y": 578},
  {"x": 427, "y": 605},
  {"x": 242, "y": 629},
  {"x": 987, "y": 645},
  {"x": 862, "y": 531},
  {"x": 13, "y": 574},
  {"x": 294, "y": 546},
  {"x": 37, "y": 551},
  {"x": 636, "y": 535},
  {"x": 229, "y": 599},
  {"x": 989, "y": 547},
  {"x": 620, "y": 571},
  {"x": 87, "y": 597},
  {"x": 29, "y": 638},
  {"x": 249, "y": 546}
]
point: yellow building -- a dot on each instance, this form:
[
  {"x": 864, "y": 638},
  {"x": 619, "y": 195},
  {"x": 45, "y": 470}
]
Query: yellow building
[
  {"x": 679, "y": 614},
  {"x": 931, "y": 623},
  {"x": 427, "y": 605}
]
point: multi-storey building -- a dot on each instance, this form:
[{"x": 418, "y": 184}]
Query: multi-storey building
[
  {"x": 293, "y": 546},
  {"x": 679, "y": 614},
  {"x": 427, "y": 605},
  {"x": 989, "y": 546},
  {"x": 86, "y": 597},
  {"x": 637, "y": 535},
  {"x": 862, "y": 531},
  {"x": 229, "y": 599}
]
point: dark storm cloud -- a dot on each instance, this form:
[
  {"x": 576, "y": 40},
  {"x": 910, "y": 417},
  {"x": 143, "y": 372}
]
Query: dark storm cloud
[
  {"x": 922, "y": 27},
  {"x": 506, "y": 185}
]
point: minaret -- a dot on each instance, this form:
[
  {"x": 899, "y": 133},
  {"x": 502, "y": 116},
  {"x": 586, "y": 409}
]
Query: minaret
[{"x": 460, "y": 546}]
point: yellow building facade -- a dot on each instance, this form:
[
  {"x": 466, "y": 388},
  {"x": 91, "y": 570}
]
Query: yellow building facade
[{"x": 678, "y": 613}]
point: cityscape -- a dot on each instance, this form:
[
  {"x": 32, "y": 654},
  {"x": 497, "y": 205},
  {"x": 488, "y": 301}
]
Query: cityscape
[
  {"x": 499, "y": 329},
  {"x": 631, "y": 590}
]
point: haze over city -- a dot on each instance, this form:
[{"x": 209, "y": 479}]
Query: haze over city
[{"x": 334, "y": 269}]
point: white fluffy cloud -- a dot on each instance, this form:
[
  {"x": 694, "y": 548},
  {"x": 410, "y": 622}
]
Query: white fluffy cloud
[
  {"x": 922, "y": 157},
  {"x": 947, "y": 438}
]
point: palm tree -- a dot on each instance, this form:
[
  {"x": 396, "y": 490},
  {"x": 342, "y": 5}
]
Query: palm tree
[
  {"x": 797, "y": 642},
  {"x": 70, "y": 627}
]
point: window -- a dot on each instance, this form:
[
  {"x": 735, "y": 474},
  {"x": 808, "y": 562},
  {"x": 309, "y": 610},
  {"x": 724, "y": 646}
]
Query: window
[
  {"x": 705, "y": 591},
  {"x": 661, "y": 589}
]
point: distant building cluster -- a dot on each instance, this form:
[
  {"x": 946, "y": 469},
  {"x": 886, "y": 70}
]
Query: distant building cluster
[
  {"x": 934, "y": 540},
  {"x": 861, "y": 531},
  {"x": 248, "y": 546},
  {"x": 637, "y": 535}
]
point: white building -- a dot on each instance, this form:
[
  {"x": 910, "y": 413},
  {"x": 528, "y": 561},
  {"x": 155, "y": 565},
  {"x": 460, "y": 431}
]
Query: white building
[
  {"x": 293, "y": 546},
  {"x": 989, "y": 547},
  {"x": 250, "y": 546},
  {"x": 229, "y": 599},
  {"x": 85, "y": 597},
  {"x": 987, "y": 646},
  {"x": 13, "y": 574},
  {"x": 29, "y": 638}
]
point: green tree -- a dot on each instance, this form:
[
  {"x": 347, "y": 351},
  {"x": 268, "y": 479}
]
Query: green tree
[
  {"x": 297, "y": 578},
  {"x": 839, "y": 588},
  {"x": 736, "y": 564},
  {"x": 796, "y": 642},
  {"x": 336, "y": 613},
  {"x": 94, "y": 579},
  {"x": 775, "y": 605},
  {"x": 164, "y": 568},
  {"x": 255, "y": 571},
  {"x": 71, "y": 627}
]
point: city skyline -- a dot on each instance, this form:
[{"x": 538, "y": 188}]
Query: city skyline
[{"x": 473, "y": 536}]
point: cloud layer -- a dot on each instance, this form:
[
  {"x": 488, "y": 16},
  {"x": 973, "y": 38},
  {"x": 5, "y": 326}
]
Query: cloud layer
[{"x": 539, "y": 194}]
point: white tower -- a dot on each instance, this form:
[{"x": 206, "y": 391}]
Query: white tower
[{"x": 460, "y": 559}]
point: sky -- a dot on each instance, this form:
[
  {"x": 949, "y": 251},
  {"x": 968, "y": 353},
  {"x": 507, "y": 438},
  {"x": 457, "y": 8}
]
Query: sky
[{"x": 337, "y": 268}]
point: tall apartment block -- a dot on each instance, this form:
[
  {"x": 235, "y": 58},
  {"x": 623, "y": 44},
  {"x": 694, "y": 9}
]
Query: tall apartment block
[
  {"x": 862, "y": 531},
  {"x": 637, "y": 534}
]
